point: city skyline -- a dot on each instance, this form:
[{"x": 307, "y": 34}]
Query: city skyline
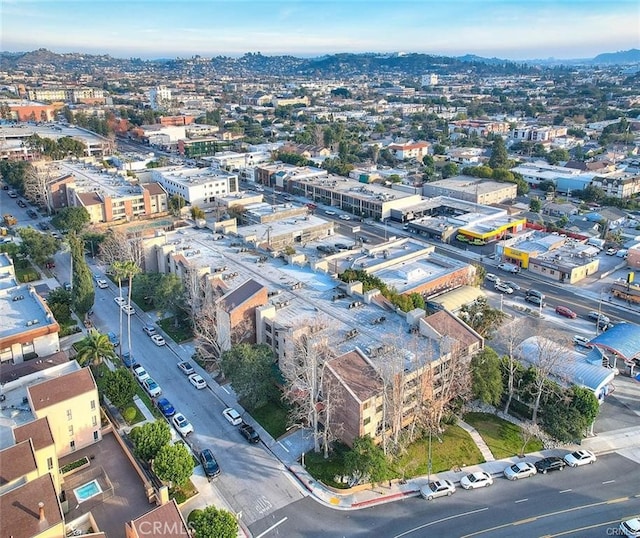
[{"x": 510, "y": 29}]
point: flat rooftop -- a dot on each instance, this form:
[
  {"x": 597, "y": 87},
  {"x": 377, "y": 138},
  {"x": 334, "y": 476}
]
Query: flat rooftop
[
  {"x": 360, "y": 191},
  {"x": 458, "y": 211},
  {"x": 54, "y": 131},
  {"x": 95, "y": 179},
  {"x": 469, "y": 183},
  {"x": 21, "y": 309},
  {"x": 193, "y": 176},
  {"x": 279, "y": 228}
]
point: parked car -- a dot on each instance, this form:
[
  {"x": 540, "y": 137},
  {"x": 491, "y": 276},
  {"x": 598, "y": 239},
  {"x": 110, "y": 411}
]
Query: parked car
[
  {"x": 631, "y": 527},
  {"x": 165, "y": 407},
  {"x": 197, "y": 381},
  {"x": 21, "y": 203},
  {"x": 476, "y": 480},
  {"x": 519, "y": 470},
  {"x": 492, "y": 278},
  {"x": 437, "y": 488},
  {"x": 186, "y": 367},
  {"x": 140, "y": 373},
  {"x": 128, "y": 309},
  {"x": 598, "y": 317},
  {"x": 329, "y": 212},
  {"x": 183, "y": 426},
  {"x": 158, "y": 340},
  {"x": 113, "y": 338},
  {"x": 512, "y": 285},
  {"x": 149, "y": 330},
  {"x": 128, "y": 360},
  {"x": 551, "y": 463},
  {"x": 152, "y": 388},
  {"x": 102, "y": 283},
  {"x": 67, "y": 286},
  {"x": 249, "y": 433},
  {"x": 579, "y": 457},
  {"x": 43, "y": 226},
  {"x": 120, "y": 301},
  {"x": 345, "y": 217},
  {"x": 611, "y": 251},
  {"x": 534, "y": 299},
  {"x": 32, "y": 213},
  {"x": 536, "y": 293},
  {"x": 232, "y": 416},
  {"x": 566, "y": 312},
  {"x": 502, "y": 287},
  {"x": 209, "y": 464},
  {"x": 581, "y": 341}
]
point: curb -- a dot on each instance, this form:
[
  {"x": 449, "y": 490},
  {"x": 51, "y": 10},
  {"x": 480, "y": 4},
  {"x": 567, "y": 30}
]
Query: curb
[{"x": 388, "y": 498}]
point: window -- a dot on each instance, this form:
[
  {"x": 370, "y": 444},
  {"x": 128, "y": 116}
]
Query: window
[
  {"x": 366, "y": 405},
  {"x": 71, "y": 430},
  {"x": 95, "y": 435},
  {"x": 69, "y": 414},
  {"x": 94, "y": 420},
  {"x": 49, "y": 463},
  {"x": 93, "y": 405},
  {"x": 367, "y": 421},
  {"x": 72, "y": 445}
]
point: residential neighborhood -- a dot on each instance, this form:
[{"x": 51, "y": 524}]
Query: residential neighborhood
[{"x": 271, "y": 294}]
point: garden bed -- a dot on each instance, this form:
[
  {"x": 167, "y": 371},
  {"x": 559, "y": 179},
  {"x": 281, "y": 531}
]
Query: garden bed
[{"x": 75, "y": 466}]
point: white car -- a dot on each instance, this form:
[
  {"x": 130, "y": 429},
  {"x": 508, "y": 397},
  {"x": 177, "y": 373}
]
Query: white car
[
  {"x": 580, "y": 457},
  {"x": 120, "y": 301},
  {"x": 492, "y": 278},
  {"x": 345, "y": 217},
  {"x": 102, "y": 283},
  {"x": 186, "y": 368},
  {"x": 182, "y": 424},
  {"x": 197, "y": 381},
  {"x": 140, "y": 373},
  {"x": 521, "y": 469},
  {"x": 581, "y": 341},
  {"x": 232, "y": 416},
  {"x": 127, "y": 309},
  {"x": 479, "y": 479},
  {"x": 330, "y": 212},
  {"x": 502, "y": 287},
  {"x": 152, "y": 388},
  {"x": 631, "y": 527},
  {"x": 158, "y": 340},
  {"x": 437, "y": 488}
]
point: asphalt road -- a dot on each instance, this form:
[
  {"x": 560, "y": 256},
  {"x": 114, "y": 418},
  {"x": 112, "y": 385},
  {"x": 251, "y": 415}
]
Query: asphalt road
[{"x": 580, "y": 502}]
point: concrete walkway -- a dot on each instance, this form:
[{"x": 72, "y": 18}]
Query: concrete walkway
[{"x": 477, "y": 439}]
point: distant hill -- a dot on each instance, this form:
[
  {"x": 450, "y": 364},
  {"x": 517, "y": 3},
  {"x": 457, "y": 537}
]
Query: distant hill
[{"x": 630, "y": 56}]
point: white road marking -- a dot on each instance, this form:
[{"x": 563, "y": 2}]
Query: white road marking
[
  {"x": 522, "y": 501},
  {"x": 280, "y": 443},
  {"x": 225, "y": 389},
  {"x": 609, "y": 482},
  {"x": 565, "y": 491},
  {"x": 272, "y": 527},
  {"x": 436, "y": 522}
]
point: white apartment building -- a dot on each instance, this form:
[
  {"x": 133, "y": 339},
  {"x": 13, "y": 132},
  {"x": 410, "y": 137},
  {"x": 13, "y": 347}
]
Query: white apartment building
[
  {"x": 198, "y": 186},
  {"x": 158, "y": 96}
]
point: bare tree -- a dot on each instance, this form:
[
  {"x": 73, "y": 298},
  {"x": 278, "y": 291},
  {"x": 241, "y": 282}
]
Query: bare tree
[
  {"x": 211, "y": 336},
  {"x": 528, "y": 431},
  {"x": 510, "y": 335},
  {"x": 391, "y": 368},
  {"x": 35, "y": 186}
]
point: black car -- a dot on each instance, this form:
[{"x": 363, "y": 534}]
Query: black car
[
  {"x": 21, "y": 203},
  {"x": 552, "y": 463},
  {"x": 249, "y": 433},
  {"x": 534, "y": 299},
  {"x": 32, "y": 213},
  {"x": 209, "y": 464},
  {"x": 43, "y": 225}
]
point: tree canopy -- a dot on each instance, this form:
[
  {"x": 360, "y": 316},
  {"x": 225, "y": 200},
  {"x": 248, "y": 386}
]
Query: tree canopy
[
  {"x": 71, "y": 219},
  {"x": 173, "y": 463},
  {"x": 82, "y": 292},
  {"x": 212, "y": 522},
  {"x": 499, "y": 156},
  {"x": 149, "y": 438},
  {"x": 366, "y": 460},
  {"x": 38, "y": 246},
  {"x": 486, "y": 375},
  {"x": 250, "y": 370},
  {"x": 93, "y": 348},
  {"x": 119, "y": 387}
]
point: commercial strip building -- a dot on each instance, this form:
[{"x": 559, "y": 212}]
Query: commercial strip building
[
  {"x": 471, "y": 189},
  {"x": 198, "y": 186}
]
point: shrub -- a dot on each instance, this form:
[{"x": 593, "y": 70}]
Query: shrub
[{"x": 129, "y": 413}]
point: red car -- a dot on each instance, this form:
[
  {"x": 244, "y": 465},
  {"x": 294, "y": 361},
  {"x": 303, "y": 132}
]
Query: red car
[{"x": 566, "y": 312}]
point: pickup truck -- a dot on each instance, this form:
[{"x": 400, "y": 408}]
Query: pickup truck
[{"x": 9, "y": 219}]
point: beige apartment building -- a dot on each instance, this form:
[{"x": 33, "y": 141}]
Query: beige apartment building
[{"x": 71, "y": 405}]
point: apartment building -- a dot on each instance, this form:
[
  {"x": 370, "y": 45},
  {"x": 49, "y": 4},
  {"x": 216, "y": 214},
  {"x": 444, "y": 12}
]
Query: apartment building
[
  {"x": 537, "y": 134},
  {"x": 275, "y": 174},
  {"x": 619, "y": 185},
  {"x": 193, "y": 148},
  {"x": 72, "y": 95},
  {"x": 72, "y": 406},
  {"x": 410, "y": 150},
  {"x": 472, "y": 189},
  {"x": 481, "y": 128},
  {"x": 228, "y": 160},
  {"x": 28, "y": 328},
  {"x": 38, "y": 433},
  {"x": 198, "y": 186}
]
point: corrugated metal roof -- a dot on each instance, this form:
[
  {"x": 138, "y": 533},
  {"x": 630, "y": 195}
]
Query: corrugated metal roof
[
  {"x": 573, "y": 368},
  {"x": 623, "y": 338}
]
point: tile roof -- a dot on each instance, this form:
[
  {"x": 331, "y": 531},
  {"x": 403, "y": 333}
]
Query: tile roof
[
  {"x": 20, "y": 511},
  {"x": 154, "y": 188},
  {"x": 61, "y": 388},
  {"x": 37, "y": 430},
  {"x": 167, "y": 514},
  {"x": 16, "y": 461},
  {"x": 357, "y": 375},
  {"x": 89, "y": 198},
  {"x": 241, "y": 294},
  {"x": 446, "y": 324}
]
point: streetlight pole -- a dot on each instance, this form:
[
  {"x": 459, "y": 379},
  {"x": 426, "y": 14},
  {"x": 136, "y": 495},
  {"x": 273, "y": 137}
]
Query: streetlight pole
[{"x": 429, "y": 460}]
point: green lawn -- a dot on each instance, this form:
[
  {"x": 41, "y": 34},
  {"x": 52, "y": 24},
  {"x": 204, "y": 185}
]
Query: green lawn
[
  {"x": 272, "y": 417},
  {"x": 503, "y": 438},
  {"x": 178, "y": 334},
  {"x": 325, "y": 470},
  {"x": 25, "y": 272}
]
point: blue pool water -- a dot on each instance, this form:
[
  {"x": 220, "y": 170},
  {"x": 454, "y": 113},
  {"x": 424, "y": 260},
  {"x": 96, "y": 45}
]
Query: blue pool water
[{"x": 88, "y": 490}]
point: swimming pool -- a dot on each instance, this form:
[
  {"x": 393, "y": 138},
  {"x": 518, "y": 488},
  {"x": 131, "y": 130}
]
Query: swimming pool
[{"x": 86, "y": 491}]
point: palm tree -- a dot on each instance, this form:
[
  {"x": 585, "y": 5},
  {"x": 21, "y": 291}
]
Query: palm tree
[
  {"x": 126, "y": 269},
  {"x": 93, "y": 348},
  {"x": 119, "y": 274}
]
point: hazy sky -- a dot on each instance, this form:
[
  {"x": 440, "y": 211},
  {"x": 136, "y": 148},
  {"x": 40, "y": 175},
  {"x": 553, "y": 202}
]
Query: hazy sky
[{"x": 516, "y": 29}]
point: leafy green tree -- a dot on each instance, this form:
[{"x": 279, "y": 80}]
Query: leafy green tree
[
  {"x": 212, "y": 522},
  {"x": 366, "y": 460},
  {"x": 486, "y": 376},
  {"x": 535, "y": 205},
  {"x": 38, "y": 246},
  {"x": 499, "y": 156},
  {"x": 173, "y": 464},
  {"x": 59, "y": 302},
  {"x": 149, "y": 438},
  {"x": 449, "y": 170},
  {"x": 481, "y": 317},
  {"x": 591, "y": 193},
  {"x": 500, "y": 174},
  {"x": 71, "y": 219},
  {"x": 249, "y": 368},
  {"x": 82, "y": 293},
  {"x": 93, "y": 348},
  {"x": 557, "y": 155},
  {"x": 168, "y": 296},
  {"x": 197, "y": 213},
  {"x": 15, "y": 172},
  {"x": 439, "y": 149},
  {"x": 119, "y": 387},
  {"x": 176, "y": 203}
]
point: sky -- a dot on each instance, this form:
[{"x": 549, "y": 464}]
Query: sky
[{"x": 512, "y": 29}]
